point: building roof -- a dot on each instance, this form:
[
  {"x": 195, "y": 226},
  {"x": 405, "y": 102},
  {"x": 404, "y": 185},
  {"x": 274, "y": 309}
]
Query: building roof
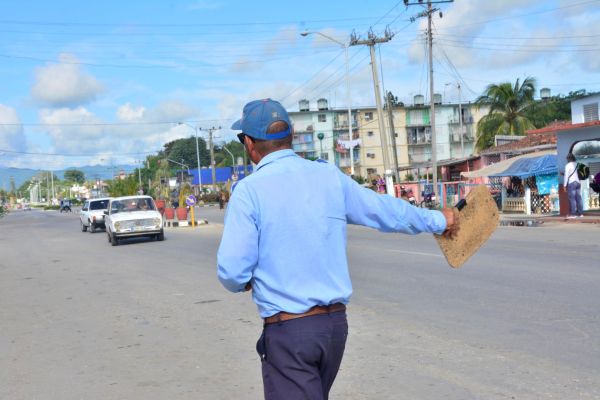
[
  {"x": 499, "y": 167},
  {"x": 535, "y": 139},
  {"x": 565, "y": 126}
]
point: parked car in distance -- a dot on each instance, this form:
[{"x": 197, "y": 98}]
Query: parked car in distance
[
  {"x": 132, "y": 216},
  {"x": 91, "y": 216}
]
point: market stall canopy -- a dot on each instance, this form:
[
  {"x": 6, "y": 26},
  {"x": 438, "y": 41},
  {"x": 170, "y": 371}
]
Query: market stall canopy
[
  {"x": 500, "y": 167},
  {"x": 535, "y": 166}
]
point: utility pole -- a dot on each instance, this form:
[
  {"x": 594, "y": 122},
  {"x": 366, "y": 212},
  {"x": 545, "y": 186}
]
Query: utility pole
[
  {"x": 428, "y": 13},
  {"x": 393, "y": 134},
  {"x": 371, "y": 41},
  {"x": 212, "y": 157},
  {"x": 52, "y": 180},
  {"x": 460, "y": 119}
]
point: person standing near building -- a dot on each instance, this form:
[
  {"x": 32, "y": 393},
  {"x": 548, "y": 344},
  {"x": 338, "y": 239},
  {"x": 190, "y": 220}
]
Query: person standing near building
[
  {"x": 285, "y": 240},
  {"x": 573, "y": 188}
]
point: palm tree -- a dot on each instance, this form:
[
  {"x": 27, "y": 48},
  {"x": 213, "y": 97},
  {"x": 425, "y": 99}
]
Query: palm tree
[{"x": 507, "y": 111}]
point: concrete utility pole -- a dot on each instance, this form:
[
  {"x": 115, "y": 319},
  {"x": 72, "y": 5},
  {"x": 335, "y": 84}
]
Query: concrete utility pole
[
  {"x": 371, "y": 41},
  {"x": 212, "y": 157},
  {"x": 460, "y": 121},
  {"x": 428, "y": 13},
  {"x": 393, "y": 135}
]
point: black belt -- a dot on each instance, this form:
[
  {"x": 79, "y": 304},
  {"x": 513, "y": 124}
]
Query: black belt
[{"x": 316, "y": 310}]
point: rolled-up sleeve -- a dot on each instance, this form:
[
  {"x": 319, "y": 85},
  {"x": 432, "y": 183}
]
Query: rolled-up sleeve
[
  {"x": 238, "y": 253},
  {"x": 386, "y": 213}
]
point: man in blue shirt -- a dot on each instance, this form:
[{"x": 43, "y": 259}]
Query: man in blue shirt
[{"x": 285, "y": 239}]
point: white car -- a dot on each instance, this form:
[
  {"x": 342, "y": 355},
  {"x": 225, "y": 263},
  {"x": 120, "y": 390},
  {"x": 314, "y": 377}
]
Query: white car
[
  {"x": 131, "y": 216},
  {"x": 91, "y": 215}
]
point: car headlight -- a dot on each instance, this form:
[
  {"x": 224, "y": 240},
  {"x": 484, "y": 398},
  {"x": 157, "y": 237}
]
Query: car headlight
[
  {"x": 117, "y": 226},
  {"x": 157, "y": 222}
]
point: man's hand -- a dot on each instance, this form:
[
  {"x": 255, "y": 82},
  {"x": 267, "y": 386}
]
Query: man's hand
[{"x": 451, "y": 216}]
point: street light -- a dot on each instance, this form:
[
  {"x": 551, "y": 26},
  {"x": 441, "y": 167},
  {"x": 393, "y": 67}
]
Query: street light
[
  {"x": 196, "y": 129},
  {"x": 348, "y": 97}
]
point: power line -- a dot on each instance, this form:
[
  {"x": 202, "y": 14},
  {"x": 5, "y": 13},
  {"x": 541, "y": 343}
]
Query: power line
[
  {"x": 140, "y": 66},
  {"x": 520, "y": 15},
  {"x": 196, "y": 24},
  {"x": 556, "y": 50},
  {"x": 520, "y": 37},
  {"x": 311, "y": 78}
]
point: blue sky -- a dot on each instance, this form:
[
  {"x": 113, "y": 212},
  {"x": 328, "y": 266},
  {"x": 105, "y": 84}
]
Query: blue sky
[{"x": 106, "y": 82}]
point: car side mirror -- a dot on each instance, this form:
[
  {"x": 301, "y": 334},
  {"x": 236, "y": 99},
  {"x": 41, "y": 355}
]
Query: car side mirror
[{"x": 105, "y": 212}]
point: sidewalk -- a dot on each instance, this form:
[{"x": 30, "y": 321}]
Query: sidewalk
[{"x": 589, "y": 217}]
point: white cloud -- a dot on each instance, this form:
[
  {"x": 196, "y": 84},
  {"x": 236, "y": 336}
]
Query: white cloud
[
  {"x": 64, "y": 84},
  {"x": 127, "y": 112},
  {"x": 285, "y": 38},
  {"x": 81, "y": 137},
  {"x": 11, "y": 130}
]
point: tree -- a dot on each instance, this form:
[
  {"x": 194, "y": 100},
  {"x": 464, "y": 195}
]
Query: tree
[
  {"x": 223, "y": 158},
  {"x": 185, "y": 149},
  {"x": 393, "y": 100},
  {"x": 508, "y": 106},
  {"x": 74, "y": 175},
  {"x": 123, "y": 187}
]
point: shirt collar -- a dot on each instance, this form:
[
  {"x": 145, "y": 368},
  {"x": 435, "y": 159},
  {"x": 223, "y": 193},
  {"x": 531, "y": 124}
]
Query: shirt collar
[{"x": 274, "y": 156}]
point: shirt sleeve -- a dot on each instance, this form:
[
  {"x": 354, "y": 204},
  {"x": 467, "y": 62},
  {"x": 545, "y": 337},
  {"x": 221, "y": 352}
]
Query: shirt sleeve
[
  {"x": 387, "y": 213},
  {"x": 238, "y": 253}
]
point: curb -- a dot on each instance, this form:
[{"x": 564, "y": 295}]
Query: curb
[{"x": 171, "y": 223}]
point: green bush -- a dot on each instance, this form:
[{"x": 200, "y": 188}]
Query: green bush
[
  {"x": 51, "y": 208},
  {"x": 210, "y": 197}
]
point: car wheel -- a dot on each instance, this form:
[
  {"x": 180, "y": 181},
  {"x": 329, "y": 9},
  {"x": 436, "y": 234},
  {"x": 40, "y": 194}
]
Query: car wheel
[
  {"x": 113, "y": 240},
  {"x": 161, "y": 236},
  {"x": 92, "y": 227},
  {"x": 83, "y": 227}
]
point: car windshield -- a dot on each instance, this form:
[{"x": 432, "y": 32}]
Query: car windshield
[
  {"x": 99, "y": 205},
  {"x": 135, "y": 204}
]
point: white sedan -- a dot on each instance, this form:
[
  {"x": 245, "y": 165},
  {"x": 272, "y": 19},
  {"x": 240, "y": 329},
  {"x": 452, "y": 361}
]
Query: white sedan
[{"x": 131, "y": 216}]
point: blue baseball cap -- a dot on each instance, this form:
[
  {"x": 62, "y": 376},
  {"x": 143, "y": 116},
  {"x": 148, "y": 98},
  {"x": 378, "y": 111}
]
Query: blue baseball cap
[{"x": 258, "y": 115}]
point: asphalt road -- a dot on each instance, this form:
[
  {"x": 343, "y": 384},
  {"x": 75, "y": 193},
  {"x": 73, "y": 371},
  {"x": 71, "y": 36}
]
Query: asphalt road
[{"x": 80, "y": 319}]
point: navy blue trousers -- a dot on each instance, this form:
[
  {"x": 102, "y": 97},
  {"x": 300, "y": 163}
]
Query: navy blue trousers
[{"x": 301, "y": 357}]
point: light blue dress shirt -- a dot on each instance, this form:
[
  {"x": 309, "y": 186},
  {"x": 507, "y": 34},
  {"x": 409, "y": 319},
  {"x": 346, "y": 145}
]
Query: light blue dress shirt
[{"x": 285, "y": 232}]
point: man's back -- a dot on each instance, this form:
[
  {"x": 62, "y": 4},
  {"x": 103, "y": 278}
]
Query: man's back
[{"x": 297, "y": 207}]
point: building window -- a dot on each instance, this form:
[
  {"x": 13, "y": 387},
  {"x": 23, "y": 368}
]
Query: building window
[
  {"x": 368, "y": 116},
  {"x": 370, "y": 155},
  {"x": 371, "y": 171},
  {"x": 590, "y": 112},
  {"x": 325, "y": 156},
  {"x": 370, "y": 133},
  {"x": 322, "y": 118}
]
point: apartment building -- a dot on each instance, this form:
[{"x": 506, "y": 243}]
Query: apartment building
[{"x": 323, "y": 133}]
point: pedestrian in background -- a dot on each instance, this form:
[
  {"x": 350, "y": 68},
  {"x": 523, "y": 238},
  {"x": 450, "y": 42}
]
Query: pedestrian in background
[
  {"x": 285, "y": 240},
  {"x": 573, "y": 188}
]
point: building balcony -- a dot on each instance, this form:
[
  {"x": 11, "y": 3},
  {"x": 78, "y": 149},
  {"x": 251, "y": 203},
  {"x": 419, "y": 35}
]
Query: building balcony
[
  {"x": 303, "y": 147},
  {"x": 455, "y": 138},
  {"x": 343, "y": 125},
  {"x": 467, "y": 119},
  {"x": 419, "y": 141},
  {"x": 418, "y": 124}
]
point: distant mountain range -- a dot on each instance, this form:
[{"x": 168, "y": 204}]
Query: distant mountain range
[{"x": 21, "y": 175}]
